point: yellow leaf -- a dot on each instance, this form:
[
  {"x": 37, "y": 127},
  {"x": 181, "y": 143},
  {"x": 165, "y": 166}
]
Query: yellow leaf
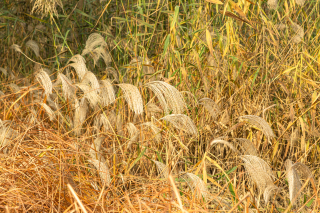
[
  {"x": 214, "y": 1},
  {"x": 209, "y": 42}
]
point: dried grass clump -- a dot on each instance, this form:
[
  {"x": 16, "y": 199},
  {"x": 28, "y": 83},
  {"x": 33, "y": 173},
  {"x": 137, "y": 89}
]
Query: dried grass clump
[
  {"x": 67, "y": 87},
  {"x": 298, "y": 33},
  {"x": 169, "y": 97},
  {"x": 247, "y": 147},
  {"x": 182, "y": 122},
  {"x": 259, "y": 123},
  {"x": 45, "y": 81},
  {"x": 197, "y": 185},
  {"x": 260, "y": 173},
  {"x": 163, "y": 170},
  {"x": 133, "y": 97},
  {"x": 211, "y": 106},
  {"x": 272, "y": 4},
  {"x": 293, "y": 180},
  {"x": 34, "y": 46},
  {"x": 45, "y": 7},
  {"x": 79, "y": 64},
  {"x": 106, "y": 92}
]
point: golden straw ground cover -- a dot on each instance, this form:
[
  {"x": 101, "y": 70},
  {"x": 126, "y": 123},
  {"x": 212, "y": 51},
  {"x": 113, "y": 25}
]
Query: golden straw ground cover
[{"x": 159, "y": 106}]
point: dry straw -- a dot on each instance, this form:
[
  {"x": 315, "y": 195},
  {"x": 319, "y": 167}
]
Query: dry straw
[
  {"x": 133, "y": 97},
  {"x": 34, "y": 46},
  {"x": 169, "y": 97},
  {"x": 182, "y": 122},
  {"x": 211, "y": 106},
  {"x": 259, "y": 123}
]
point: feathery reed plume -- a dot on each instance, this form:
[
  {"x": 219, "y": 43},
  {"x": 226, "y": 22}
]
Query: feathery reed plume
[
  {"x": 259, "y": 123},
  {"x": 211, "y": 106},
  {"x": 119, "y": 124},
  {"x": 197, "y": 185},
  {"x": 300, "y": 2},
  {"x": 114, "y": 73},
  {"x": 281, "y": 26},
  {"x": 155, "y": 129},
  {"x": 89, "y": 94},
  {"x": 16, "y": 48},
  {"x": 90, "y": 77},
  {"x": 134, "y": 134},
  {"x": 107, "y": 122},
  {"x": 96, "y": 45},
  {"x": 169, "y": 97},
  {"x": 49, "y": 111},
  {"x": 100, "y": 52},
  {"x": 272, "y": 4},
  {"x": 182, "y": 122},
  {"x": 298, "y": 33},
  {"x": 106, "y": 92},
  {"x": 67, "y": 87},
  {"x": 34, "y": 46},
  {"x": 133, "y": 97},
  {"x": 45, "y": 7},
  {"x": 94, "y": 40},
  {"x": 4, "y": 71},
  {"x": 217, "y": 141},
  {"x": 303, "y": 169},
  {"x": 247, "y": 147},
  {"x": 45, "y": 81},
  {"x": 1, "y": 93},
  {"x": 95, "y": 149},
  {"x": 103, "y": 170},
  {"x": 260, "y": 173},
  {"x": 152, "y": 109},
  {"x": 293, "y": 180},
  {"x": 79, "y": 64},
  {"x": 80, "y": 114},
  {"x": 163, "y": 170},
  {"x": 99, "y": 161},
  {"x": 268, "y": 192},
  {"x": 6, "y": 134}
]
